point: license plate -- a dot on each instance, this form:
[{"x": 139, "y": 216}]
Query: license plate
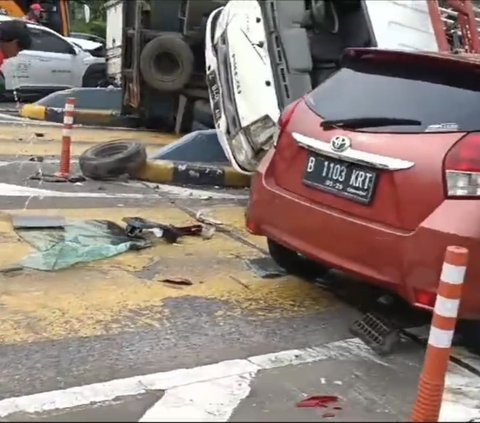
[
  {"x": 343, "y": 179},
  {"x": 214, "y": 91}
]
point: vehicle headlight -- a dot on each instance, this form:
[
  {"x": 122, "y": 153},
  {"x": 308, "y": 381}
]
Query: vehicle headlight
[
  {"x": 261, "y": 133},
  {"x": 243, "y": 152}
]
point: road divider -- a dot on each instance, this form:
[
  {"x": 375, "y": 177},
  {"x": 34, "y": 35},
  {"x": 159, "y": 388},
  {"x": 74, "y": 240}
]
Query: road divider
[
  {"x": 82, "y": 116},
  {"x": 128, "y": 157},
  {"x": 166, "y": 171}
]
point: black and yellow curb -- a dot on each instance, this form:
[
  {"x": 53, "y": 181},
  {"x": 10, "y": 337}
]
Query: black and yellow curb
[
  {"x": 82, "y": 116},
  {"x": 183, "y": 173}
]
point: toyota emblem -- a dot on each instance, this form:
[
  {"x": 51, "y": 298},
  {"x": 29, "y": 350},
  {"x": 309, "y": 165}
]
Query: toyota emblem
[{"x": 340, "y": 143}]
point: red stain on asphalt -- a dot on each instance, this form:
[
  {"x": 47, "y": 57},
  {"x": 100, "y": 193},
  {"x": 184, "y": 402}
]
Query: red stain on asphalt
[{"x": 321, "y": 401}]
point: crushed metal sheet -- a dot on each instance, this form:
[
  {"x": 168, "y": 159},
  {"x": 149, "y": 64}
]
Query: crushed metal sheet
[
  {"x": 38, "y": 222},
  {"x": 265, "y": 268}
]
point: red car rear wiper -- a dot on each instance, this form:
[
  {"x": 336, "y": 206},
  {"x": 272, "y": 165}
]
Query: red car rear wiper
[{"x": 368, "y": 122}]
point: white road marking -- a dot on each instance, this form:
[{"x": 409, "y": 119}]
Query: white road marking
[
  {"x": 212, "y": 401},
  {"x": 10, "y": 190},
  {"x": 6, "y": 118},
  {"x": 99, "y": 392},
  {"x": 186, "y": 192}
]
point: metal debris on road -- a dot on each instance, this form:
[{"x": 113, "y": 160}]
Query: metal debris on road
[
  {"x": 203, "y": 217},
  {"x": 77, "y": 242},
  {"x": 265, "y": 268},
  {"x": 38, "y": 222},
  {"x": 239, "y": 281},
  {"x": 169, "y": 233},
  {"x": 45, "y": 177},
  {"x": 177, "y": 281}
]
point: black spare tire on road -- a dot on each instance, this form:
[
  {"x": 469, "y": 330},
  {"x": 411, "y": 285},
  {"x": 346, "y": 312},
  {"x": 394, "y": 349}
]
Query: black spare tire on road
[
  {"x": 166, "y": 62},
  {"x": 112, "y": 159}
]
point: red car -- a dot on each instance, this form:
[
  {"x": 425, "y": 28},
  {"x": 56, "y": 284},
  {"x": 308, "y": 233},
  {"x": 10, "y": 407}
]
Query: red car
[{"x": 377, "y": 171}]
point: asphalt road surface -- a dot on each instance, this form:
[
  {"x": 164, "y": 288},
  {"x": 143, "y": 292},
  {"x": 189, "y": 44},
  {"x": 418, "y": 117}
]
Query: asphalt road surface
[{"x": 206, "y": 330}]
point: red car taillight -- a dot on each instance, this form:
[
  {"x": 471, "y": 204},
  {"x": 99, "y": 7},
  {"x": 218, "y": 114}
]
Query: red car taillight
[
  {"x": 285, "y": 118},
  {"x": 462, "y": 167}
]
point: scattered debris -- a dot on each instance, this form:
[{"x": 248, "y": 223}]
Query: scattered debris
[
  {"x": 44, "y": 177},
  {"x": 170, "y": 233},
  {"x": 38, "y": 222},
  {"x": 239, "y": 281},
  {"x": 178, "y": 281},
  {"x": 39, "y": 134},
  {"x": 208, "y": 231},
  {"x": 77, "y": 242},
  {"x": 265, "y": 268},
  {"x": 202, "y": 217},
  {"x": 378, "y": 333},
  {"x": 38, "y": 159}
]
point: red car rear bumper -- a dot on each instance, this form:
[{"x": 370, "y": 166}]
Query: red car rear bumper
[{"x": 407, "y": 263}]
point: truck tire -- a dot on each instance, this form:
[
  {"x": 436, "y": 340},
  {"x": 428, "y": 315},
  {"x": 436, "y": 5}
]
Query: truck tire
[
  {"x": 112, "y": 159},
  {"x": 166, "y": 63}
]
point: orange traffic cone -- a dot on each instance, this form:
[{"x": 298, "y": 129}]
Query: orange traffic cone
[{"x": 435, "y": 366}]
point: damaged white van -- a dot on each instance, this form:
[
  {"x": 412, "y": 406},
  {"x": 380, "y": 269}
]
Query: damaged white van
[{"x": 262, "y": 55}]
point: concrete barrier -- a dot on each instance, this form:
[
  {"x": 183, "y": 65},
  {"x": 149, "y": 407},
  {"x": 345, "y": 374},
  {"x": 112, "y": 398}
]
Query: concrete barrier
[
  {"x": 183, "y": 173},
  {"x": 95, "y": 106}
]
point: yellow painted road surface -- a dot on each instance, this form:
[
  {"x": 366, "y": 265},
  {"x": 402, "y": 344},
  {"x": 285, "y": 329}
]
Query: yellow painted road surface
[
  {"x": 38, "y": 140},
  {"x": 126, "y": 293}
]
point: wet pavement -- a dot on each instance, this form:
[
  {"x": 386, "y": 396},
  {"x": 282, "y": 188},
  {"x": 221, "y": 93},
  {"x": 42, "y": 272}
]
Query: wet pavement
[{"x": 117, "y": 323}]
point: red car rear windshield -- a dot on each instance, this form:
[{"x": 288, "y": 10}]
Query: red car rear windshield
[{"x": 442, "y": 98}]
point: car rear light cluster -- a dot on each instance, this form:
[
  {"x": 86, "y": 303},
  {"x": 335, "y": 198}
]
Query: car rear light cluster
[
  {"x": 462, "y": 167},
  {"x": 425, "y": 299},
  {"x": 285, "y": 118}
]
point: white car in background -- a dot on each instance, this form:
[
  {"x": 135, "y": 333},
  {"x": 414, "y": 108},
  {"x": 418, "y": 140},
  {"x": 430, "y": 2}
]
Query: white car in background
[
  {"x": 94, "y": 48},
  {"x": 52, "y": 63}
]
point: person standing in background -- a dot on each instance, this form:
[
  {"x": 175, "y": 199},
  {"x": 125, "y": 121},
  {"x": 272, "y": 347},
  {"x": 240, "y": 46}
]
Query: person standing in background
[{"x": 34, "y": 14}]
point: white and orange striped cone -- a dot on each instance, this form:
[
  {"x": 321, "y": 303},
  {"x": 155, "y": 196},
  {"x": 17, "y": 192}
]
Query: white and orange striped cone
[
  {"x": 68, "y": 117},
  {"x": 432, "y": 379}
]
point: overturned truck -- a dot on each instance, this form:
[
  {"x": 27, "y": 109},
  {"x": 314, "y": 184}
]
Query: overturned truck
[{"x": 156, "y": 53}]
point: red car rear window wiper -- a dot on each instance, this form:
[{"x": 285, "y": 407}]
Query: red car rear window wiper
[{"x": 368, "y": 122}]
